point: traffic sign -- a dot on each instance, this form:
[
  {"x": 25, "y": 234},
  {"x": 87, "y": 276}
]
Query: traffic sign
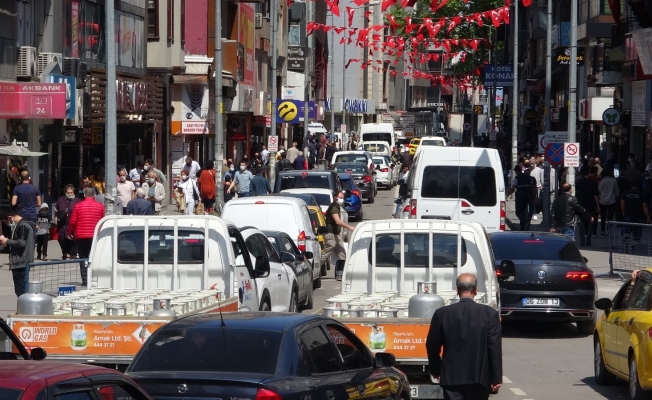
[
  {"x": 272, "y": 143},
  {"x": 571, "y": 155},
  {"x": 343, "y": 129},
  {"x": 611, "y": 116},
  {"x": 542, "y": 143},
  {"x": 467, "y": 126},
  {"x": 557, "y": 137},
  {"x": 555, "y": 153}
]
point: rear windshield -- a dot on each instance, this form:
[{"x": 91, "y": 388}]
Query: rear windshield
[
  {"x": 360, "y": 168},
  {"x": 10, "y": 394},
  {"x": 444, "y": 250},
  {"x": 351, "y": 158},
  {"x": 323, "y": 199},
  {"x": 306, "y": 197},
  {"x": 477, "y": 185},
  {"x": 305, "y": 181},
  {"x": 131, "y": 247},
  {"x": 377, "y": 137},
  {"x": 519, "y": 249},
  {"x": 214, "y": 350},
  {"x": 375, "y": 147},
  {"x": 431, "y": 142},
  {"x": 379, "y": 161},
  {"x": 346, "y": 184}
]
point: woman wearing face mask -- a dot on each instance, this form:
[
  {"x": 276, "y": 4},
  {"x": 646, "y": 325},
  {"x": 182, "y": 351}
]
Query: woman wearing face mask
[
  {"x": 188, "y": 188},
  {"x": 155, "y": 191},
  {"x": 62, "y": 211}
]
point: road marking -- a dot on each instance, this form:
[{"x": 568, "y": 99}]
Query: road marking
[
  {"x": 518, "y": 392},
  {"x": 506, "y": 380}
]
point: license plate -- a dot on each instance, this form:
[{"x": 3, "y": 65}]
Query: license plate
[
  {"x": 540, "y": 302},
  {"x": 414, "y": 392}
]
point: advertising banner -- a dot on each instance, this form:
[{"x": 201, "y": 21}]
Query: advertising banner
[
  {"x": 33, "y": 100},
  {"x": 129, "y": 40},
  {"x": 504, "y": 75},
  {"x": 643, "y": 42},
  {"x": 402, "y": 340},
  {"x": 195, "y": 102},
  {"x": 71, "y": 88},
  {"x": 246, "y": 37}
]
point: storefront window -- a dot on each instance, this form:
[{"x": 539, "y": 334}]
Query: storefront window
[{"x": 152, "y": 19}]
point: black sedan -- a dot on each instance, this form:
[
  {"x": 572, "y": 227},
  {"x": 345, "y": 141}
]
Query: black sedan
[
  {"x": 543, "y": 277},
  {"x": 302, "y": 268},
  {"x": 364, "y": 179},
  {"x": 263, "y": 355}
]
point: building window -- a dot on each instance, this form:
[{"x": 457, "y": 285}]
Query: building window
[
  {"x": 171, "y": 20},
  {"x": 152, "y": 19}
]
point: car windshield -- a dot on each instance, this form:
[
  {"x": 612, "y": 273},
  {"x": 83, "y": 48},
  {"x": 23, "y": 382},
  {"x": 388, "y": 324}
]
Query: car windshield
[
  {"x": 348, "y": 168},
  {"x": 553, "y": 249},
  {"x": 351, "y": 158},
  {"x": 305, "y": 180},
  {"x": 323, "y": 199},
  {"x": 186, "y": 349},
  {"x": 306, "y": 197},
  {"x": 477, "y": 185},
  {"x": 10, "y": 394}
]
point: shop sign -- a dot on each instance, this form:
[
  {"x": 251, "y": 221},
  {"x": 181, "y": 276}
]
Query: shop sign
[
  {"x": 297, "y": 58},
  {"x": 643, "y": 43},
  {"x": 292, "y": 111},
  {"x": 238, "y": 137},
  {"x": 194, "y": 109},
  {"x": 93, "y": 135},
  {"x": 359, "y": 106},
  {"x": 131, "y": 96},
  {"x": 402, "y": 340},
  {"x": 639, "y": 100},
  {"x": 33, "y": 100},
  {"x": 611, "y": 117},
  {"x": 562, "y": 56},
  {"x": 246, "y": 36},
  {"x": 71, "y": 89},
  {"x": 504, "y": 75}
]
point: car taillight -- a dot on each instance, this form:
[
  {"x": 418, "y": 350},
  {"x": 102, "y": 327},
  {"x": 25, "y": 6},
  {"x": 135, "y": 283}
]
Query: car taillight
[
  {"x": 301, "y": 241},
  {"x": 367, "y": 179},
  {"x": 413, "y": 209},
  {"x": 579, "y": 276},
  {"x": 106, "y": 393},
  {"x": 384, "y": 170},
  {"x": 266, "y": 394},
  {"x": 357, "y": 193},
  {"x": 259, "y": 202},
  {"x": 502, "y": 215}
]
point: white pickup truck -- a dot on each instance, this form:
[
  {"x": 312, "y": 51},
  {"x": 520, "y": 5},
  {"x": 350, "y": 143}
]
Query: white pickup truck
[
  {"x": 196, "y": 263},
  {"x": 386, "y": 262}
]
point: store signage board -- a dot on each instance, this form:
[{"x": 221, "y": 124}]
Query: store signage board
[{"x": 33, "y": 100}]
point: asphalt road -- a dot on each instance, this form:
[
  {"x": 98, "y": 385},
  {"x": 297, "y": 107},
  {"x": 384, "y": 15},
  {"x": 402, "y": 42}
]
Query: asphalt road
[{"x": 540, "y": 361}]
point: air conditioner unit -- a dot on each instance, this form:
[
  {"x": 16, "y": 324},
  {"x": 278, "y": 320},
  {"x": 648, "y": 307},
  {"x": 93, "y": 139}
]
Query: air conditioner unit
[
  {"x": 26, "y": 65},
  {"x": 44, "y": 59},
  {"x": 75, "y": 68},
  {"x": 258, "y": 19}
]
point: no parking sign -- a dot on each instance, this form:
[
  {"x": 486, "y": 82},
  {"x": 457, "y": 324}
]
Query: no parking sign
[{"x": 572, "y": 155}]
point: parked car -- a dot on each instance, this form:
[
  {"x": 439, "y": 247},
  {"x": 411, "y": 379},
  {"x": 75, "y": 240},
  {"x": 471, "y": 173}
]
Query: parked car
[
  {"x": 318, "y": 221},
  {"x": 285, "y": 247},
  {"x": 621, "y": 341},
  {"x": 264, "y": 356},
  {"x": 282, "y": 290},
  {"x": 278, "y": 213},
  {"x": 384, "y": 172},
  {"x": 543, "y": 277},
  {"x": 324, "y": 197},
  {"x": 352, "y": 156},
  {"x": 41, "y": 380},
  {"x": 307, "y": 179},
  {"x": 12, "y": 348},
  {"x": 308, "y": 198},
  {"x": 364, "y": 178},
  {"x": 353, "y": 202}
]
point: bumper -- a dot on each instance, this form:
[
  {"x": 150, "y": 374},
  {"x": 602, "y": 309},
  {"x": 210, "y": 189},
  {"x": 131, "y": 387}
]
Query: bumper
[
  {"x": 573, "y": 306},
  {"x": 367, "y": 191}
]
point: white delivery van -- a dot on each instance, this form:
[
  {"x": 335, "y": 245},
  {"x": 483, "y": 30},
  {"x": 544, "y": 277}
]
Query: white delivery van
[
  {"x": 317, "y": 128},
  {"x": 377, "y": 132},
  {"x": 278, "y": 213},
  {"x": 459, "y": 184}
]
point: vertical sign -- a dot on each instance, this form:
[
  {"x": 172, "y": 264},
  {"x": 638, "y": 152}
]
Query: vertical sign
[{"x": 572, "y": 155}]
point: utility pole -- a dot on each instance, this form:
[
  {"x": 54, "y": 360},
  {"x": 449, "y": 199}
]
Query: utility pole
[
  {"x": 331, "y": 74},
  {"x": 219, "y": 107},
  {"x": 545, "y": 192},
  {"x": 111, "y": 134},
  {"x": 344, "y": 93},
  {"x": 493, "y": 91},
  {"x": 515, "y": 90},
  {"x": 306, "y": 86},
  {"x": 473, "y": 119},
  {"x": 572, "y": 96},
  {"x": 272, "y": 155}
]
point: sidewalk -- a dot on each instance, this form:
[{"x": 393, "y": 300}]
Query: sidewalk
[{"x": 597, "y": 253}]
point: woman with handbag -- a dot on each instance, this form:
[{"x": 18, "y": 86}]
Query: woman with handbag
[
  {"x": 207, "y": 188},
  {"x": 189, "y": 189}
]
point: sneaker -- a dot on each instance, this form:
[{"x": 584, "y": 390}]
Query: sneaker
[{"x": 534, "y": 217}]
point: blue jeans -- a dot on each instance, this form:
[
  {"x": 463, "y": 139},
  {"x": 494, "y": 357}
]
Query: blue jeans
[
  {"x": 567, "y": 231},
  {"x": 247, "y": 194}
]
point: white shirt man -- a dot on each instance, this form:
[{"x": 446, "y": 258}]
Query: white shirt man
[
  {"x": 191, "y": 167},
  {"x": 264, "y": 155}
]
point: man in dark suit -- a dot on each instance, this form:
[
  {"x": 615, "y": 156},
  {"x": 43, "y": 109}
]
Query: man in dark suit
[{"x": 471, "y": 365}]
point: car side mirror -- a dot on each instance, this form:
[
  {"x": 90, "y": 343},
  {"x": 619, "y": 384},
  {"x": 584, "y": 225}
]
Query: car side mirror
[
  {"x": 322, "y": 230},
  {"x": 309, "y": 255},
  {"x": 262, "y": 267},
  {"x": 603, "y": 304},
  {"x": 506, "y": 271},
  {"x": 287, "y": 257},
  {"x": 37, "y": 353},
  {"x": 384, "y": 360}
]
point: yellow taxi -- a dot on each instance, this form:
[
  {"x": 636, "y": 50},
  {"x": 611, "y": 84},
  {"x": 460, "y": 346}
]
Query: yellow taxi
[
  {"x": 318, "y": 220},
  {"x": 414, "y": 143},
  {"x": 623, "y": 337}
]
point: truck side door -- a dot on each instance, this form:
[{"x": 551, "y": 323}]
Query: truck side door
[{"x": 246, "y": 286}]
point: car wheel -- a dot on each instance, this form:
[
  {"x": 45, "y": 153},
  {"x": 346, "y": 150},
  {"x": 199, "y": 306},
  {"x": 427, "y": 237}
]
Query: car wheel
[
  {"x": 293, "y": 307},
  {"x": 602, "y": 376},
  {"x": 309, "y": 300},
  {"x": 586, "y": 327},
  {"x": 360, "y": 216},
  {"x": 372, "y": 198},
  {"x": 635, "y": 391}
]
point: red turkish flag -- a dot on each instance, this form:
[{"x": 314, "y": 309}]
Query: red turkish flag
[
  {"x": 361, "y": 2},
  {"x": 527, "y": 3},
  {"x": 334, "y": 6},
  {"x": 387, "y": 4},
  {"x": 478, "y": 19},
  {"x": 392, "y": 22},
  {"x": 496, "y": 17},
  {"x": 506, "y": 14},
  {"x": 443, "y": 3},
  {"x": 350, "y": 12}
]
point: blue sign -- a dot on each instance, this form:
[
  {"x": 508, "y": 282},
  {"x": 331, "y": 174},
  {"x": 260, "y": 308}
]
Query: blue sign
[
  {"x": 291, "y": 111},
  {"x": 564, "y": 34},
  {"x": 555, "y": 153},
  {"x": 504, "y": 75},
  {"x": 64, "y": 290},
  {"x": 358, "y": 106},
  {"x": 71, "y": 95}
]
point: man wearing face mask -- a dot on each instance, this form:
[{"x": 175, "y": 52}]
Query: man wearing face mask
[
  {"x": 62, "y": 211},
  {"x": 149, "y": 167},
  {"x": 126, "y": 189},
  {"x": 21, "y": 248},
  {"x": 333, "y": 239},
  {"x": 155, "y": 191},
  {"x": 191, "y": 167},
  {"x": 243, "y": 180}
]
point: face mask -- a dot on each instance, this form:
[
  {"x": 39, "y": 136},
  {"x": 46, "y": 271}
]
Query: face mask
[
  {"x": 231, "y": 169},
  {"x": 70, "y": 196},
  {"x": 151, "y": 181},
  {"x": 340, "y": 201},
  {"x": 146, "y": 168},
  {"x": 184, "y": 177},
  {"x": 12, "y": 224},
  {"x": 123, "y": 178},
  {"x": 243, "y": 167}
]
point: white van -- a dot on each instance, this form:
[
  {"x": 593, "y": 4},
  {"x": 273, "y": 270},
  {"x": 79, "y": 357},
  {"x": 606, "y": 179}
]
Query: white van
[
  {"x": 377, "y": 132},
  {"x": 459, "y": 184},
  {"x": 276, "y": 213}
]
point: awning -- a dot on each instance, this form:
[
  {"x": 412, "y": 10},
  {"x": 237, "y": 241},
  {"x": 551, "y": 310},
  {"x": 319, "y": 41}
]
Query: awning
[
  {"x": 11, "y": 150},
  {"x": 227, "y": 79}
]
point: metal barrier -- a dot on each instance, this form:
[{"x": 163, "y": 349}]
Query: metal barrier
[
  {"x": 630, "y": 247},
  {"x": 55, "y": 274}
]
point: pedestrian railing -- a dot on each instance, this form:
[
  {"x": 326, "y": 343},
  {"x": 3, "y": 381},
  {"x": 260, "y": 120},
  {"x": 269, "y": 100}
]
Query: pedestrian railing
[
  {"x": 56, "y": 276},
  {"x": 630, "y": 247}
]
